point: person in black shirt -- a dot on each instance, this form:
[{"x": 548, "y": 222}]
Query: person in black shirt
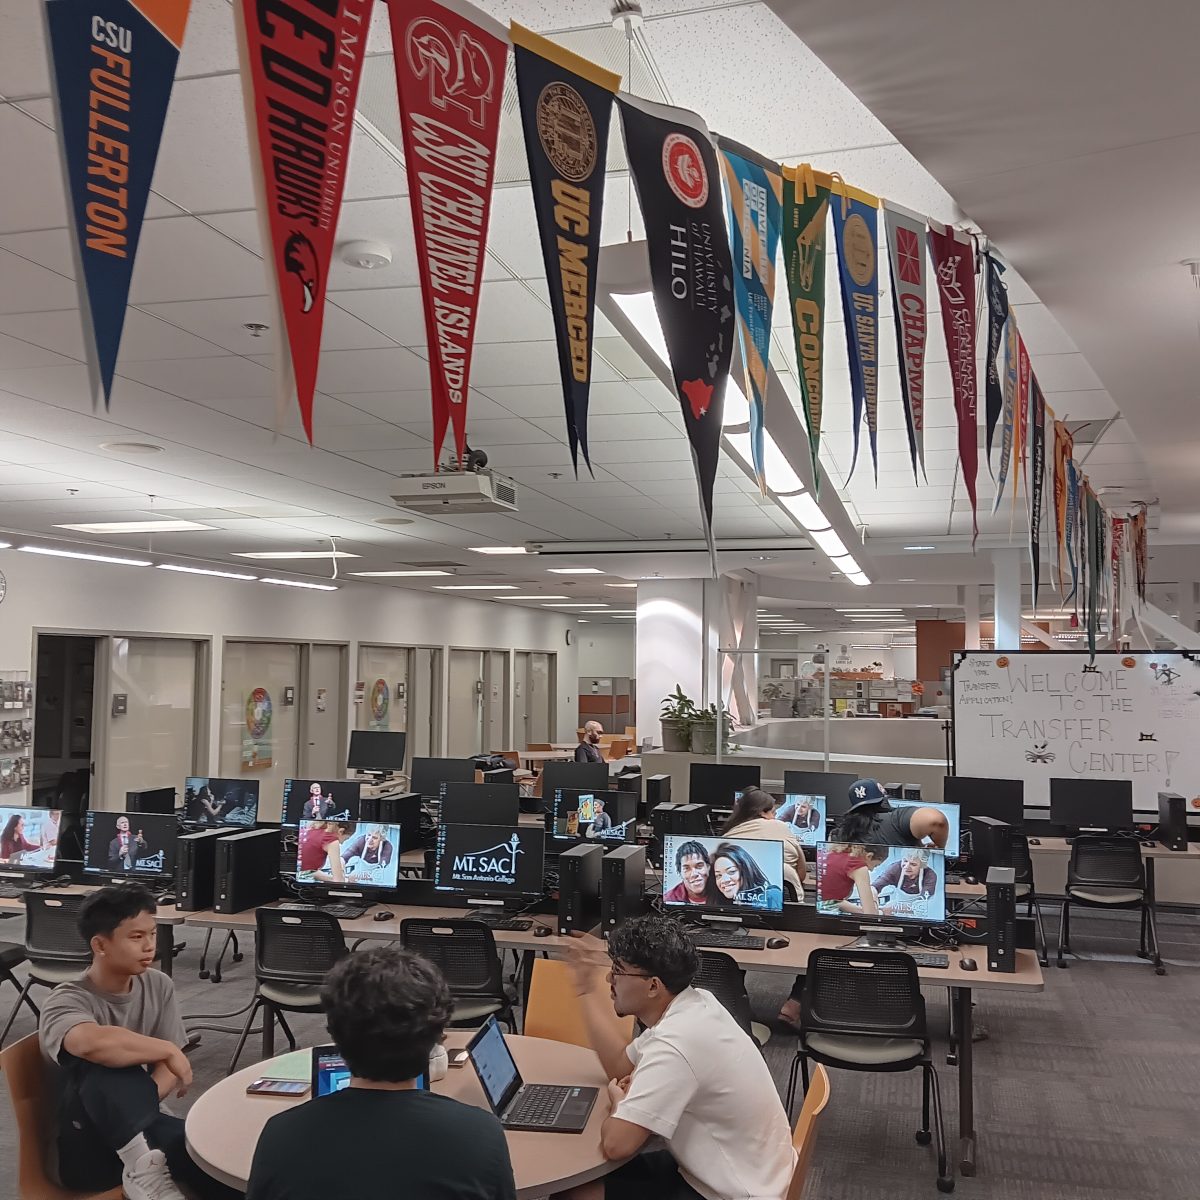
[
  {"x": 589, "y": 749},
  {"x": 386, "y": 1009}
]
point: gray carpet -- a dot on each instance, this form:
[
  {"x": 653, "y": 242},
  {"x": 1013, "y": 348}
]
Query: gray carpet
[{"x": 1087, "y": 1091}]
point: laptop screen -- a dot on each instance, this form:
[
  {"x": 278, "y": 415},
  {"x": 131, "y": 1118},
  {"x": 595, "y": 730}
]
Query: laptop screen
[
  {"x": 494, "y": 1063},
  {"x": 331, "y": 1074}
]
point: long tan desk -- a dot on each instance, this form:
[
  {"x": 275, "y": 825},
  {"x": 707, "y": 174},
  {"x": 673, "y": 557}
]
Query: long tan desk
[
  {"x": 1180, "y": 882},
  {"x": 224, "y": 1125},
  {"x": 167, "y": 917}
]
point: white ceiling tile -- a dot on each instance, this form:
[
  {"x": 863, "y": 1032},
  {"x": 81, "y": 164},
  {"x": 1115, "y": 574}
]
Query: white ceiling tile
[
  {"x": 205, "y": 379},
  {"x": 344, "y": 371},
  {"x": 27, "y": 287},
  {"x": 397, "y": 312},
  {"x": 532, "y": 362},
  {"x": 33, "y": 196},
  {"x": 215, "y": 265},
  {"x": 378, "y": 435},
  {"x": 513, "y": 431},
  {"x": 15, "y": 353}
]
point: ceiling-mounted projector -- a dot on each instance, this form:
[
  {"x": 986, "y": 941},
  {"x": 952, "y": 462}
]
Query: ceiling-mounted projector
[{"x": 455, "y": 492}]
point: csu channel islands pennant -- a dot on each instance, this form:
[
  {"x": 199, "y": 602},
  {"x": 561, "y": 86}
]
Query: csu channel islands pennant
[
  {"x": 301, "y": 63},
  {"x": 112, "y": 64},
  {"x": 450, "y": 61}
]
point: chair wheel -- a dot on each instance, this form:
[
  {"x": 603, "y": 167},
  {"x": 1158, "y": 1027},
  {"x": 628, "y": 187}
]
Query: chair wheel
[
  {"x": 238, "y": 957},
  {"x": 924, "y": 1137},
  {"x": 1063, "y": 965},
  {"x": 1160, "y": 970},
  {"x": 952, "y": 1060},
  {"x": 1143, "y": 953},
  {"x": 203, "y": 974},
  {"x": 945, "y": 1185}
]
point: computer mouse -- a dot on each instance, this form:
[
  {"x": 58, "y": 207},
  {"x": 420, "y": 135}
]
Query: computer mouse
[
  {"x": 1035, "y": 841},
  {"x": 385, "y": 915},
  {"x": 167, "y": 898},
  {"x": 777, "y": 943},
  {"x": 970, "y": 879},
  {"x": 542, "y": 931},
  {"x": 968, "y": 964}
]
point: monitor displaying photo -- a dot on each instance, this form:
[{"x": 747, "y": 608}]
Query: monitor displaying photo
[
  {"x": 949, "y": 811},
  {"x": 320, "y": 800},
  {"x": 593, "y": 816},
  {"x": 216, "y": 803},
  {"x": 489, "y": 860},
  {"x": 130, "y": 844},
  {"x": 804, "y": 815},
  {"x": 348, "y": 853},
  {"x": 28, "y": 838},
  {"x": 331, "y": 1074},
  {"x": 881, "y": 883},
  {"x": 723, "y": 874}
]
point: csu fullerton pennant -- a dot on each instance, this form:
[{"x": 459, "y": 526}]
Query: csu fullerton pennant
[{"x": 112, "y": 63}]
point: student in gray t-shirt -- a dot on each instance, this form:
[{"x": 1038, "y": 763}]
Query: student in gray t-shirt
[{"x": 118, "y": 1037}]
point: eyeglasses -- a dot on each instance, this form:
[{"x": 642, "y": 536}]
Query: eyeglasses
[{"x": 616, "y": 972}]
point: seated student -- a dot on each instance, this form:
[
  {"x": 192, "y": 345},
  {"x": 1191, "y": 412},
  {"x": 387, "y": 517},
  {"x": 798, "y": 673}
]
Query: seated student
[
  {"x": 118, "y": 1037},
  {"x": 694, "y": 1077},
  {"x": 755, "y": 816},
  {"x": 695, "y": 885},
  {"x": 386, "y": 1009}
]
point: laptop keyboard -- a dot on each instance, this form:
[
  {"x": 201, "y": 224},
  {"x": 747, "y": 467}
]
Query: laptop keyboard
[
  {"x": 730, "y": 941},
  {"x": 540, "y": 1105}
]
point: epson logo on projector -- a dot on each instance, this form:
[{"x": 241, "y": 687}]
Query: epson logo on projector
[
  {"x": 432, "y": 485},
  {"x": 496, "y": 864}
]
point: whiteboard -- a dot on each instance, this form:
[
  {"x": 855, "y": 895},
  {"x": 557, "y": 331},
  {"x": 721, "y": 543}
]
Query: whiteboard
[{"x": 1038, "y": 717}]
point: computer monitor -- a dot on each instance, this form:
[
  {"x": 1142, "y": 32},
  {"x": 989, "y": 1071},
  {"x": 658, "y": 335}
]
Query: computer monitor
[
  {"x": 953, "y": 847},
  {"x": 320, "y": 800},
  {"x": 1001, "y": 799},
  {"x": 1090, "y": 804},
  {"x": 502, "y": 863},
  {"x": 716, "y": 784},
  {"x": 480, "y": 803},
  {"x": 593, "y": 816},
  {"x": 348, "y": 854},
  {"x": 377, "y": 750},
  {"x": 28, "y": 840},
  {"x": 804, "y": 815},
  {"x": 130, "y": 845},
  {"x": 576, "y": 776},
  {"x": 154, "y": 800},
  {"x": 211, "y": 803},
  {"x": 833, "y": 785},
  {"x": 881, "y": 886},
  {"x": 428, "y": 774},
  {"x": 722, "y": 874}
]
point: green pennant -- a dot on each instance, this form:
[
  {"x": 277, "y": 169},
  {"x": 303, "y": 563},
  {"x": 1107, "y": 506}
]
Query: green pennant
[{"x": 805, "y": 213}]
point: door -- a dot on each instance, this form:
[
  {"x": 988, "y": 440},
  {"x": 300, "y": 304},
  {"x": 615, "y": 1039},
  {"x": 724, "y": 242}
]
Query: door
[
  {"x": 495, "y": 700},
  {"x": 541, "y": 698},
  {"x": 425, "y": 703},
  {"x": 63, "y": 717},
  {"x": 259, "y": 726},
  {"x": 152, "y": 689},
  {"x": 464, "y": 713},
  {"x": 383, "y": 671},
  {"x": 323, "y": 713},
  {"x": 520, "y": 699}
]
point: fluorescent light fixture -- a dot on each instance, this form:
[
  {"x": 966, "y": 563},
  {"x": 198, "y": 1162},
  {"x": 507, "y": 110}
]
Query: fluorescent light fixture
[
  {"x": 920, "y": 547},
  {"x": 806, "y": 510},
  {"x": 858, "y": 579},
  {"x": 906, "y": 581},
  {"x": 296, "y": 583},
  {"x": 566, "y": 606},
  {"x": 633, "y": 585},
  {"x": 5, "y": 545},
  {"x": 848, "y": 566},
  {"x": 498, "y": 549},
  {"x": 283, "y": 554},
  {"x": 204, "y": 571},
  {"x": 575, "y": 571},
  {"x": 396, "y": 574},
  {"x": 739, "y": 443},
  {"x": 780, "y": 475},
  {"x": 534, "y": 597},
  {"x": 620, "y": 617},
  {"x": 883, "y": 608},
  {"x": 828, "y": 542},
  {"x": 475, "y": 587},
  {"x": 163, "y": 526},
  {"x": 104, "y": 558}
]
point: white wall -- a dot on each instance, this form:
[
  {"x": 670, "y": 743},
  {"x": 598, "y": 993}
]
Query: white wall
[
  {"x": 607, "y": 650},
  {"x": 65, "y": 596}
]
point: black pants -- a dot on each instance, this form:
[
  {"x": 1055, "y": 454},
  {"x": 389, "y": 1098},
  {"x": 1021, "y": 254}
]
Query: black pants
[
  {"x": 652, "y": 1175},
  {"x": 103, "y": 1108}
]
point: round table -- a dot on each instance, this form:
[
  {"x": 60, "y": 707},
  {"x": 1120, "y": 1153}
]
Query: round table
[{"x": 224, "y": 1124}]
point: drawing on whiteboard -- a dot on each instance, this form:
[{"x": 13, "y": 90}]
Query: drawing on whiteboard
[
  {"x": 1041, "y": 753},
  {"x": 1164, "y": 673},
  {"x": 1147, "y": 737},
  {"x": 1091, "y": 669}
]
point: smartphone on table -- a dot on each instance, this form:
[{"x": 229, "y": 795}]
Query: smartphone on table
[{"x": 292, "y": 1088}]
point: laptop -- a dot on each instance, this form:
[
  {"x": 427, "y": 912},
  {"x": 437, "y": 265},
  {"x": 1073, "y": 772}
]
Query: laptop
[
  {"x": 545, "y": 1107},
  {"x": 331, "y": 1074}
]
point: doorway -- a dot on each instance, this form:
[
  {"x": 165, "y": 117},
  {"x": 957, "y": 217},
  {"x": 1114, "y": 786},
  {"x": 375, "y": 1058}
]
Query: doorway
[
  {"x": 534, "y": 702},
  {"x": 64, "y": 718},
  {"x": 323, "y": 712}
]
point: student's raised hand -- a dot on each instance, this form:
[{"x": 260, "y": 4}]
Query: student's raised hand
[{"x": 587, "y": 956}]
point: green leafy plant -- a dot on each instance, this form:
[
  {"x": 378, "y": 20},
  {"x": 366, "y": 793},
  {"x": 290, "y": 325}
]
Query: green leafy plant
[
  {"x": 774, "y": 691},
  {"x": 677, "y": 706}
]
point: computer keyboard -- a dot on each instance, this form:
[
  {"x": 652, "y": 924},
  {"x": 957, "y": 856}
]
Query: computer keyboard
[
  {"x": 940, "y": 962},
  {"x": 11, "y": 893},
  {"x": 540, "y": 1105},
  {"x": 341, "y": 912},
  {"x": 501, "y": 922},
  {"x": 727, "y": 941}
]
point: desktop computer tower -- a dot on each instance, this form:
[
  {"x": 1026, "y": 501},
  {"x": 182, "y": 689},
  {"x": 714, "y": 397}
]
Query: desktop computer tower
[
  {"x": 498, "y": 775},
  {"x": 910, "y": 791},
  {"x": 195, "y": 869},
  {"x": 1172, "y": 821},
  {"x": 660, "y": 815},
  {"x": 368, "y": 808},
  {"x": 630, "y": 783},
  {"x": 1002, "y": 919},
  {"x": 579, "y": 887},
  {"x": 688, "y": 818},
  {"x": 247, "y": 870},
  {"x": 622, "y": 879},
  {"x": 405, "y": 811},
  {"x": 892, "y": 790},
  {"x": 991, "y": 844},
  {"x": 657, "y": 791}
]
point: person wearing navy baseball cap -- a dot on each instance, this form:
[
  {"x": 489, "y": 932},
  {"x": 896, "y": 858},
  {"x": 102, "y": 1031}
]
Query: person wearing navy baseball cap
[{"x": 871, "y": 821}]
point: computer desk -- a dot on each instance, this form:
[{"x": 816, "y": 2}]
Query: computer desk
[
  {"x": 167, "y": 917},
  {"x": 1150, "y": 855},
  {"x": 791, "y": 960}
]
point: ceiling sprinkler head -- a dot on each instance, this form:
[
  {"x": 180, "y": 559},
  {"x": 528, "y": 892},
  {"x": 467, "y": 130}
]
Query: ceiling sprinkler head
[
  {"x": 255, "y": 328},
  {"x": 627, "y": 15}
]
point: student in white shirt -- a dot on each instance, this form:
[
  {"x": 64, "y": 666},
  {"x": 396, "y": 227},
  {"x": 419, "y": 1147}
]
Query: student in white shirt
[{"x": 693, "y": 1078}]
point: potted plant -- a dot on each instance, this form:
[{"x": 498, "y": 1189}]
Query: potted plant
[
  {"x": 779, "y": 698},
  {"x": 675, "y": 717},
  {"x": 704, "y": 729}
]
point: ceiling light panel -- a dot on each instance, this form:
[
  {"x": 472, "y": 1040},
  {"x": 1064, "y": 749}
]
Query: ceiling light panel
[
  {"x": 575, "y": 571},
  {"x": 398, "y": 574},
  {"x": 205, "y": 571},
  {"x": 475, "y": 587},
  {"x": 297, "y": 583},
  {"x": 164, "y": 526},
  {"x": 293, "y": 554},
  {"x": 52, "y": 552},
  {"x": 498, "y": 549}
]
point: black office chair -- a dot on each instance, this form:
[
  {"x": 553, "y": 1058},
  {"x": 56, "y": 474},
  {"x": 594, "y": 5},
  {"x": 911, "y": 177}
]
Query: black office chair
[
  {"x": 720, "y": 975},
  {"x": 1107, "y": 872},
  {"x": 1023, "y": 869},
  {"x": 54, "y": 946},
  {"x": 293, "y": 952},
  {"x": 465, "y": 953},
  {"x": 862, "y": 1010}
]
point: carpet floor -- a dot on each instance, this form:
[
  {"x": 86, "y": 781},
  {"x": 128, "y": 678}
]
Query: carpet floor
[{"x": 1086, "y": 1091}]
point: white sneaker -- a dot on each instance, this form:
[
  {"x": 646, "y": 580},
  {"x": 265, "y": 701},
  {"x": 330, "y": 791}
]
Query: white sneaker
[{"x": 149, "y": 1179}]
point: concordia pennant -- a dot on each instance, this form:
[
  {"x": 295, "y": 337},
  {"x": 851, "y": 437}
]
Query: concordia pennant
[
  {"x": 303, "y": 62},
  {"x": 754, "y": 196},
  {"x": 566, "y": 107},
  {"x": 905, "y": 233},
  {"x": 674, "y": 168},
  {"x": 450, "y": 62},
  {"x": 112, "y": 66}
]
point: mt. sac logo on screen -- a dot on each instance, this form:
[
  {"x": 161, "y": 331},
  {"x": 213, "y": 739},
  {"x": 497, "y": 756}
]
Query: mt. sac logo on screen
[{"x": 496, "y": 864}]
